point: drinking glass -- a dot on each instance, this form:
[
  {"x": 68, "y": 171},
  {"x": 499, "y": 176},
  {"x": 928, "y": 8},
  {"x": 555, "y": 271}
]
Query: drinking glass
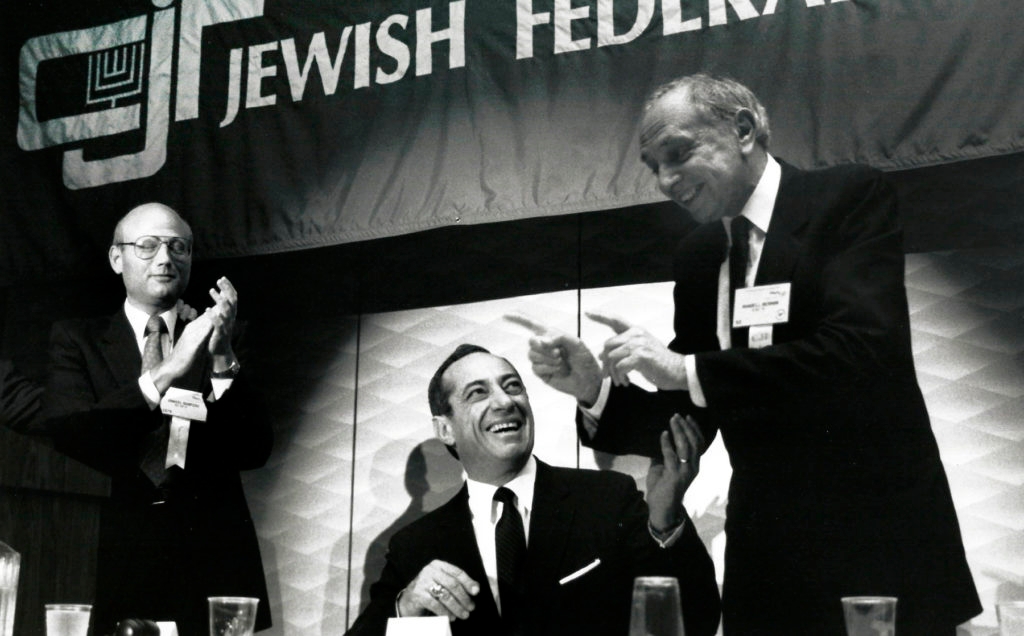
[
  {"x": 1011, "y": 618},
  {"x": 656, "y": 609},
  {"x": 870, "y": 615},
  {"x": 67, "y": 619},
  {"x": 232, "y": 615},
  {"x": 10, "y": 565}
]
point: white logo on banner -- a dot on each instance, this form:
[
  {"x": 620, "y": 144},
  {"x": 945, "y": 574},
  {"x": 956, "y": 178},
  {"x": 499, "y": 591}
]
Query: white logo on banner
[{"x": 117, "y": 54}]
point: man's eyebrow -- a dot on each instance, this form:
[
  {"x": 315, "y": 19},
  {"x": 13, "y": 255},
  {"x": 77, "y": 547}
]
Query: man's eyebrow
[{"x": 471, "y": 384}]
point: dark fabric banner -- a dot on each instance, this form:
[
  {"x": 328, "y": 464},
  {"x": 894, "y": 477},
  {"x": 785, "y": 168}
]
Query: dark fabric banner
[{"x": 277, "y": 125}]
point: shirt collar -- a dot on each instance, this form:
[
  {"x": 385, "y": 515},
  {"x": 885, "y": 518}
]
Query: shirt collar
[
  {"x": 481, "y": 495},
  {"x": 138, "y": 319},
  {"x": 758, "y": 208}
]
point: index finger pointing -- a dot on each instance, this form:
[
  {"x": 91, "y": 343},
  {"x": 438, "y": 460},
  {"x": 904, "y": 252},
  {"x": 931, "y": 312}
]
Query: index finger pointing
[
  {"x": 529, "y": 323},
  {"x": 617, "y": 324}
]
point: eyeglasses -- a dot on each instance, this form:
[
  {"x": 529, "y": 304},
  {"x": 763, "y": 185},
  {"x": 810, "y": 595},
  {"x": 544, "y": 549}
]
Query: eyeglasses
[{"x": 146, "y": 247}]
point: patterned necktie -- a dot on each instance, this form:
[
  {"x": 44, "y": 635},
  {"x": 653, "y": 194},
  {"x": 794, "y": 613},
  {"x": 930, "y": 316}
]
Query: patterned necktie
[
  {"x": 510, "y": 544},
  {"x": 155, "y": 442},
  {"x": 153, "y": 350},
  {"x": 739, "y": 257}
]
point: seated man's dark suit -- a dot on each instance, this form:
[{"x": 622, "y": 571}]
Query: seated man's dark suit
[
  {"x": 158, "y": 560},
  {"x": 577, "y": 516},
  {"x": 837, "y": 486}
]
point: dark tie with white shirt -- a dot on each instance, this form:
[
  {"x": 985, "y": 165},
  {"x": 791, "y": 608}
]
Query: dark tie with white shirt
[
  {"x": 739, "y": 261},
  {"x": 510, "y": 549}
]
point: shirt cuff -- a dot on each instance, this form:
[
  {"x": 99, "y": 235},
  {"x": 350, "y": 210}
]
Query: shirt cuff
[
  {"x": 149, "y": 390},
  {"x": 693, "y": 382},
  {"x": 592, "y": 414},
  {"x": 666, "y": 539}
]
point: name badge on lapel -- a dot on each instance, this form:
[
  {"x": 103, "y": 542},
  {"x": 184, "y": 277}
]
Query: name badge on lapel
[
  {"x": 761, "y": 305},
  {"x": 183, "y": 407}
]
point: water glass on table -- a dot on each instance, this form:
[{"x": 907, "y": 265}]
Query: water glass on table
[
  {"x": 1011, "y": 618},
  {"x": 67, "y": 619},
  {"x": 10, "y": 566},
  {"x": 656, "y": 608},
  {"x": 870, "y": 615},
  {"x": 232, "y": 615}
]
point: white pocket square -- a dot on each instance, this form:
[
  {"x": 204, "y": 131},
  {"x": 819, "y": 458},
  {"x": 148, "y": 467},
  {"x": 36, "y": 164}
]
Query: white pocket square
[{"x": 580, "y": 572}]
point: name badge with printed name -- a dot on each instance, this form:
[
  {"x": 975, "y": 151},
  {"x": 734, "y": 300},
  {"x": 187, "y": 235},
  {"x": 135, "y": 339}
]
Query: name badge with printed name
[
  {"x": 188, "y": 405},
  {"x": 761, "y": 305},
  {"x": 184, "y": 407}
]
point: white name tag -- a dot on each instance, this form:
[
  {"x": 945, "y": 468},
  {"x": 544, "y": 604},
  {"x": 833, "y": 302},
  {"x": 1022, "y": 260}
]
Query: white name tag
[
  {"x": 177, "y": 443},
  {"x": 419, "y": 626},
  {"x": 188, "y": 405},
  {"x": 761, "y": 305}
]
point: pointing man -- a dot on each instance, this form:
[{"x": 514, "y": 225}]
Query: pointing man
[{"x": 791, "y": 338}]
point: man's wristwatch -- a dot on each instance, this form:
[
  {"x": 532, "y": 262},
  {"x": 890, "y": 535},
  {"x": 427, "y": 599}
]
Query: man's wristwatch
[{"x": 228, "y": 373}]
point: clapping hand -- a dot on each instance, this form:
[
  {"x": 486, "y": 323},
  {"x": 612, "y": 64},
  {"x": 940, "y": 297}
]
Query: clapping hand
[
  {"x": 667, "y": 481},
  {"x": 194, "y": 338},
  {"x": 222, "y": 315}
]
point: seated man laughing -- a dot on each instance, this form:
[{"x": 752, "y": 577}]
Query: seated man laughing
[{"x": 527, "y": 548}]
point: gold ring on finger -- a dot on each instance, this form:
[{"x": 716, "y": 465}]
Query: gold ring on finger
[{"x": 437, "y": 591}]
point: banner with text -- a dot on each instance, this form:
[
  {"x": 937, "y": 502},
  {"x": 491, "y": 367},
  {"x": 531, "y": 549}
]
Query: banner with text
[{"x": 276, "y": 125}]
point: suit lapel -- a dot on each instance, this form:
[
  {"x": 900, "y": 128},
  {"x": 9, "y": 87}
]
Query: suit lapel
[
  {"x": 782, "y": 248},
  {"x": 550, "y": 519},
  {"x": 120, "y": 350}
]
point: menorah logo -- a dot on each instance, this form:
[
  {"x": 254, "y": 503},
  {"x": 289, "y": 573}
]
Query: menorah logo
[
  {"x": 115, "y": 74},
  {"x": 123, "y": 70}
]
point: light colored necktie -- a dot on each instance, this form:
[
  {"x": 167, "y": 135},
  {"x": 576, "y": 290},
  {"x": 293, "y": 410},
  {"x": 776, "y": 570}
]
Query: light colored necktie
[
  {"x": 156, "y": 441},
  {"x": 153, "y": 350}
]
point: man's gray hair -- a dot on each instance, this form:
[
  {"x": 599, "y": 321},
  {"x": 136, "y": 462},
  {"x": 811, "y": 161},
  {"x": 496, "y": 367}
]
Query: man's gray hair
[{"x": 719, "y": 97}]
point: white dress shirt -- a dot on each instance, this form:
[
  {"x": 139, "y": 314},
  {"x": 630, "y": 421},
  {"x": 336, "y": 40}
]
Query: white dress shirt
[
  {"x": 486, "y": 512},
  {"x": 758, "y": 211}
]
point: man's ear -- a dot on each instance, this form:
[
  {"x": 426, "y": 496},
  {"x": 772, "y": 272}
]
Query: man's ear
[
  {"x": 746, "y": 128},
  {"x": 443, "y": 430},
  {"x": 114, "y": 256}
]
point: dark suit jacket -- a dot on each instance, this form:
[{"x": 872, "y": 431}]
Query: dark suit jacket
[
  {"x": 158, "y": 561},
  {"x": 837, "y": 486},
  {"x": 19, "y": 399},
  {"x": 577, "y": 516}
]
